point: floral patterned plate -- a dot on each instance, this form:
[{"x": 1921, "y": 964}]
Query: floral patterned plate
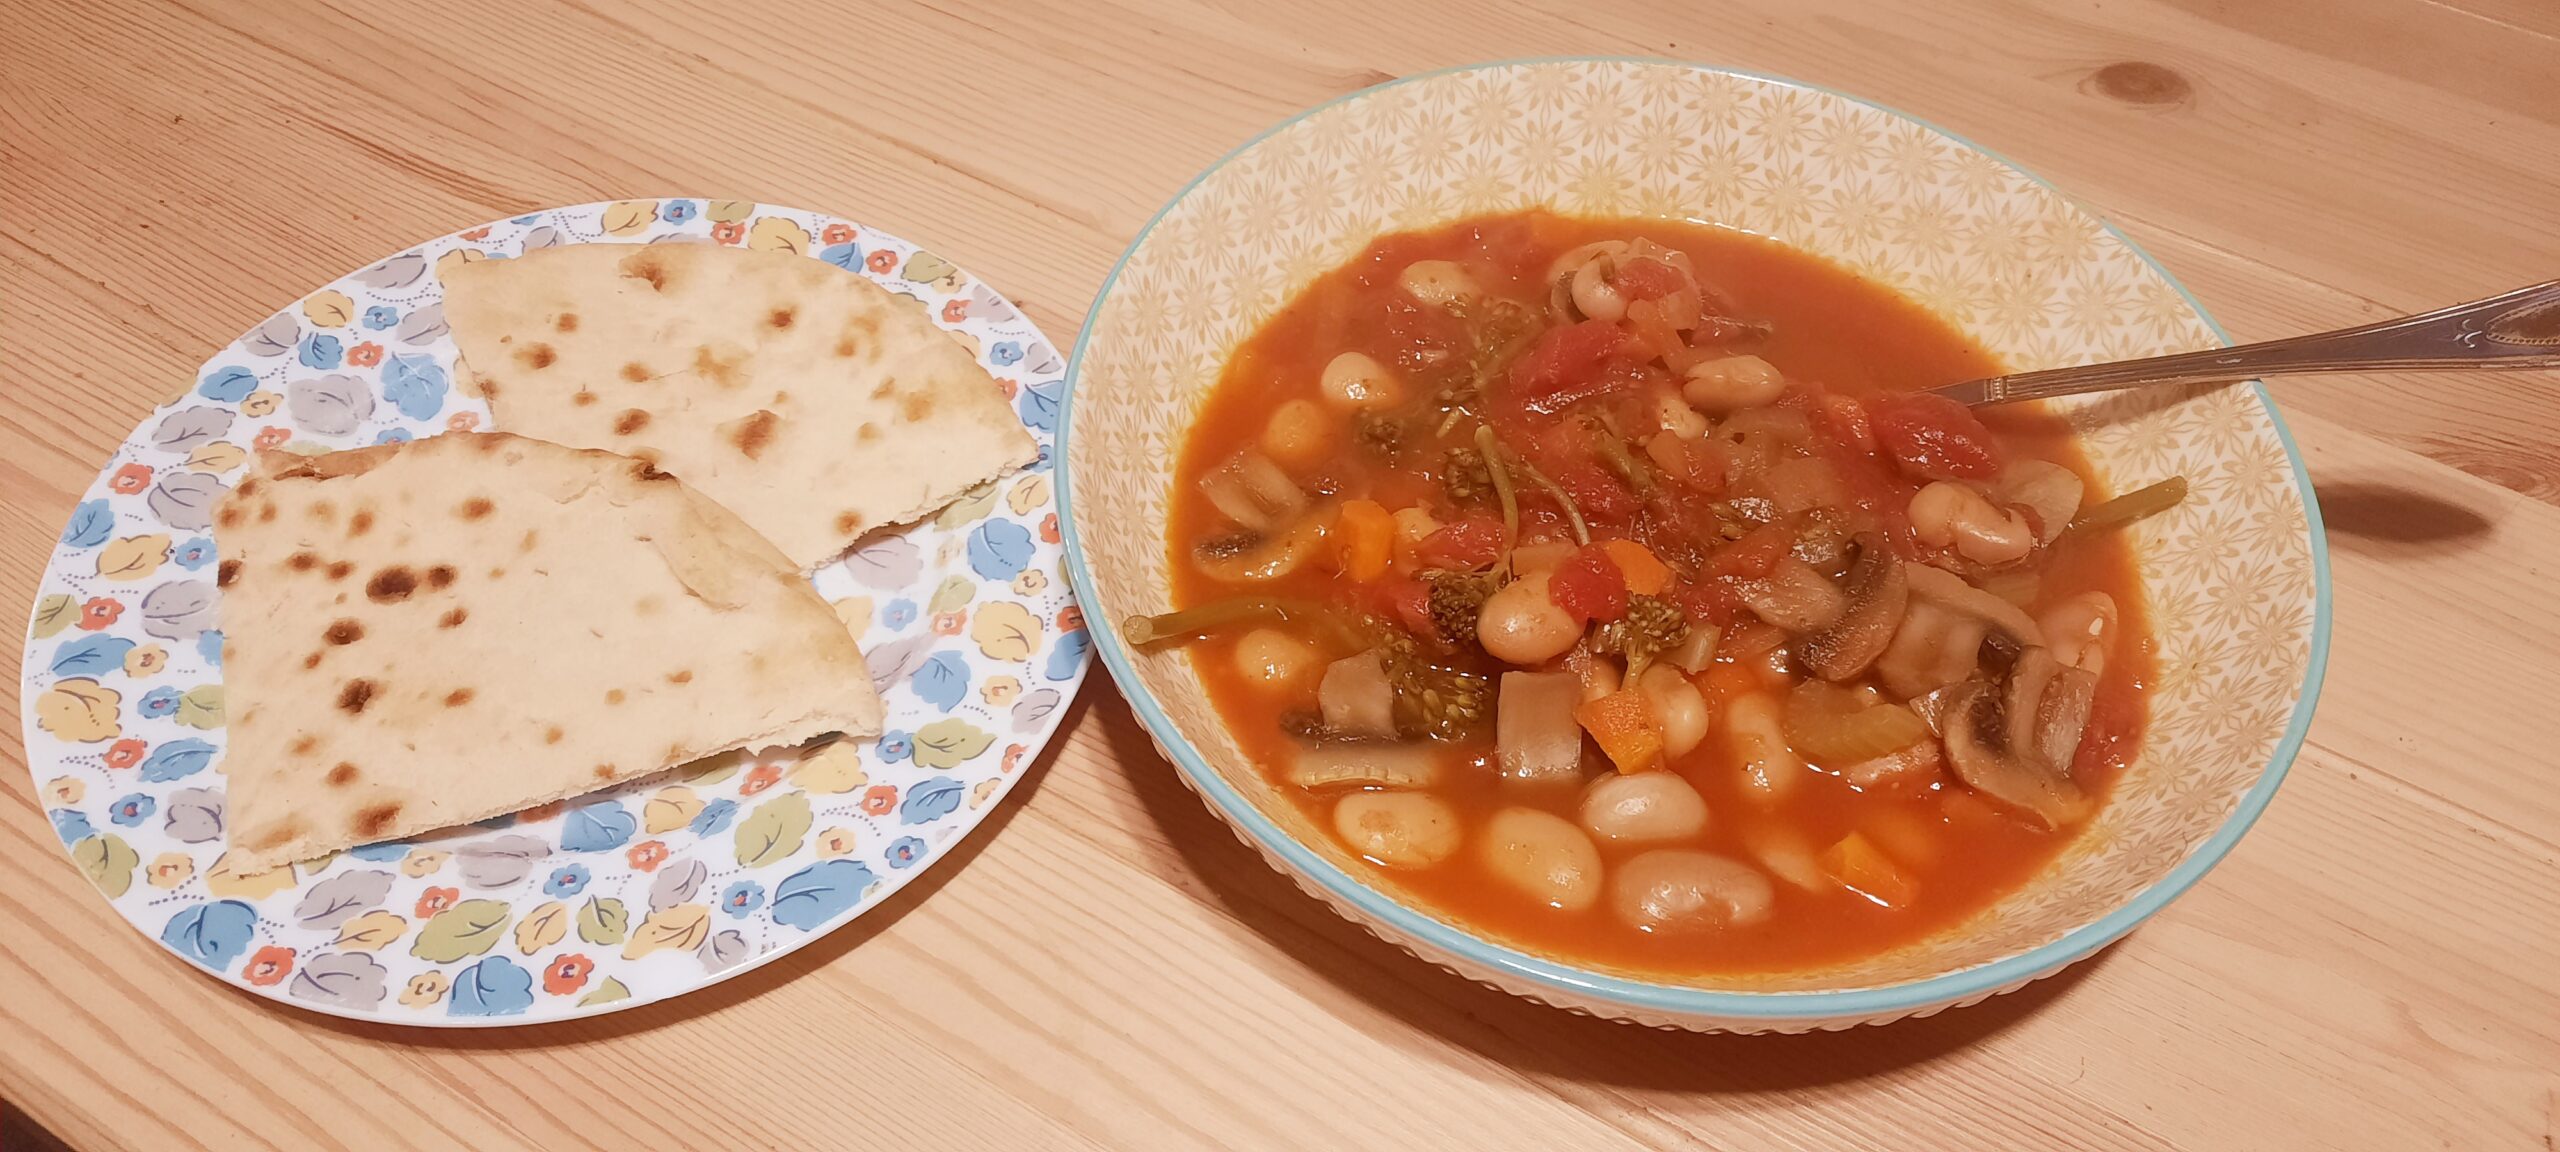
[{"x": 648, "y": 890}]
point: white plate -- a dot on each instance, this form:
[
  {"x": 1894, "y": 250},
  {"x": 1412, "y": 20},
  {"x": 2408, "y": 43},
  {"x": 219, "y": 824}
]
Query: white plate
[{"x": 648, "y": 890}]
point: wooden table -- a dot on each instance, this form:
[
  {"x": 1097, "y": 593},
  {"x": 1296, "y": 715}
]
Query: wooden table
[{"x": 1106, "y": 967}]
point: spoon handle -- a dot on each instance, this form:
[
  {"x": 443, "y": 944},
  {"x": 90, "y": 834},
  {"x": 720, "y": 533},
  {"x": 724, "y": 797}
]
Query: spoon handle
[{"x": 2519, "y": 329}]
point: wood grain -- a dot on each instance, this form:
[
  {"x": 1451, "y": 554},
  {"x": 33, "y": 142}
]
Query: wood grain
[{"x": 1108, "y": 968}]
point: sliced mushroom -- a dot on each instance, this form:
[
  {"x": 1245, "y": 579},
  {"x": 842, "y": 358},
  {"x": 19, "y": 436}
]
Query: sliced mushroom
[
  {"x": 1939, "y": 586},
  {"x": 2062, "y": 717},
  {"x": 1878, "y": 594},
  {"x": 1254, "y": 492},
  {"x": 1935, "y": 647},
  {"x": 1252, "y": 557},
  {"x": 1977, "y": 732},
  {"x": 1796, "y": 597}
]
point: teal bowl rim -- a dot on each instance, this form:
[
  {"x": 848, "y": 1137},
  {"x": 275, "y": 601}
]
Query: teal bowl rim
[{"x": 1781, "y": 1006}]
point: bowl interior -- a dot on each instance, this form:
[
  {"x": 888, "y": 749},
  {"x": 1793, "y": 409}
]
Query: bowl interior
[{"x": 2232, "y": 576}]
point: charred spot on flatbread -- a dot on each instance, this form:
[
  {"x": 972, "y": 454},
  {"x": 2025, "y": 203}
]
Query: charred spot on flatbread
[
  {"x": 647, "y": 264},
  {"x": 374, "y": 820},
  {"x": 391, "y": 585},
  {"x": 753, "y": 432}
]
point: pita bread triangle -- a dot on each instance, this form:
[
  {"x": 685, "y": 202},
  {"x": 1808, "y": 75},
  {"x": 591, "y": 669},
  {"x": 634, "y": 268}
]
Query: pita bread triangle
[
  {"x": 815, "y": 403},
  {"x": 426, "y": 634}
]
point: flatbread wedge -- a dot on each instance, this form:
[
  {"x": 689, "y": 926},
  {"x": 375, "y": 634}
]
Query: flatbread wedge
[
  {"x": 426, "y": 634},
  {"x": 816, "y": 404}
]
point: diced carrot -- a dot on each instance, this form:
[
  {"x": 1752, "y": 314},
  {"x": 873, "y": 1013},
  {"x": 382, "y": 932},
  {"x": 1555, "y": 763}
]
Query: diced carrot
[
  {"x": 1623, "y": 725},
  {"x": 1365, "y": 536},
  {"x": 1646, "y": 574},
  {"x": 1590, "y": 586},
  {"x": 1862, "y": 868}
]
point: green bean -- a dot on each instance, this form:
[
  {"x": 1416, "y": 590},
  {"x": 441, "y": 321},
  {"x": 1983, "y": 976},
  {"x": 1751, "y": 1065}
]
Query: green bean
[
  {"x": 2141, "y": 503},
  {"x": 1192, "y": 623}
]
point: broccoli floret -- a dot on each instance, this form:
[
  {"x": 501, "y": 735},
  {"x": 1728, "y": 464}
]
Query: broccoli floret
[
  {"x": 1432, "y": 701},
  {"x": 1464, "y": 474},
  {"x": 1378, "y": 434},
  {"x": 1456, "y": 599},
  {"x": 1651, "y": 626}
]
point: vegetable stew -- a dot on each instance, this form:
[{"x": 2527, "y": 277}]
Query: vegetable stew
[{"x": 1606, "y": 585}]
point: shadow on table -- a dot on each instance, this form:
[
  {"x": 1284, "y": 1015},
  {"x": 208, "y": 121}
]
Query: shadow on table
[
  {"x": 1513, "y": 1032},
  {"x": 757, "y": 981},
  {"x": 2373, "y": 515}
]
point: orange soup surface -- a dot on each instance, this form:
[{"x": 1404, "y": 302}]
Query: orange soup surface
[{"x": 1603, "y": 584}]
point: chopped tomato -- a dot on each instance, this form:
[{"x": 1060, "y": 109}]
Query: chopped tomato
[
  {"x": 1590, "y": 586},
  {"x": 1645, "y": 278},
  {"x": 1845, "y": 420},
  {"x": 1875, "y": 488},
  {"x": 1565, "y": 366},
  {"x": 1409, "y": 601},
  {"x": 1696, "y": 464},
  {"x": 1469, "y": 543},
  {"x": 1933, "y": 437}
]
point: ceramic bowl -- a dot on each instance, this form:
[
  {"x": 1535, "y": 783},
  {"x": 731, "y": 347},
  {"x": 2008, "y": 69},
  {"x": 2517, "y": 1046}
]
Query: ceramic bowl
[{"x": 2236, "y": 577}]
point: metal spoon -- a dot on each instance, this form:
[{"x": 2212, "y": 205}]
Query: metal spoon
[{"x": 2519, "y": 329}]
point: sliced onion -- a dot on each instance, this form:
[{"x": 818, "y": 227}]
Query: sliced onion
[
  {"x": 1535, "y": 735},
  {"x": 1357, "y": 699},
  {"x": 1834, "y": 726}
]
